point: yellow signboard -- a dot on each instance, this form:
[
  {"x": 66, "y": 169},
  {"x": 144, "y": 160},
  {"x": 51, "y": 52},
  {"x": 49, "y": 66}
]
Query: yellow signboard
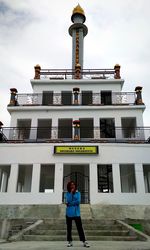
[{"x": 75, "y": 149}]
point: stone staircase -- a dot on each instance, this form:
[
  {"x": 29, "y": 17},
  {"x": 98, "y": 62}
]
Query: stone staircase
[
  {"x": 54, "y": 229},
  {"x": 95, "y": 230}
]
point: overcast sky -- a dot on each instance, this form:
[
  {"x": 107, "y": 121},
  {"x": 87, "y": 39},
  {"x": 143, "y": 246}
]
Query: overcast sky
[{"x": 36, "y": 32}]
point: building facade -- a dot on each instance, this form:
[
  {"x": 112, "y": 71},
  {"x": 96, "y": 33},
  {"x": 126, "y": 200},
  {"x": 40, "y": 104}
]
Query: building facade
[{"x": 76, "y": 125}]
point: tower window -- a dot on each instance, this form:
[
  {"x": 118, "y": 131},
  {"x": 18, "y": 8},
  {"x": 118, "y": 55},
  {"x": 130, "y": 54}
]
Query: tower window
[
  {"x": 65, "y": 128},
  {"x": 47, "y": 178},
  {"x": 86, "y": 97},
  {"x": 128, "y": 127},
  {"x": 24, "y": 127},
  {"x": 86, "y": 128},
  {"x": 106, "y": 97},
  {"x": 146, "y": 171},
  {"x": 24, "y": 178},
  {"x": 4, "y": 177},
  {"x": 47, "y": 98},
  {"x": 127, "y": 176},
  {"x": 105, "y": 179},
  {"x": 44, "y": 129},
  {"x": 107, "y": 128},
  {"x": 66, "y": 97}
]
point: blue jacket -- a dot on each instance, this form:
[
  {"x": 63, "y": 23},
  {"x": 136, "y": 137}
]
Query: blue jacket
[{"x": 73, "y": 204}]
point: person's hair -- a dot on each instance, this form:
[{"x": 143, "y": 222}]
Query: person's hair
[{"x": 69, "y": 186}]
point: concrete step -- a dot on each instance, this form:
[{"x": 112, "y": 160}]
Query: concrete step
[
  {"x": 87, "y": 232},
  {"x": 85, "y": 226},
  {"x": 84, "y": 221},
  {"x": 89, "y": 238}
]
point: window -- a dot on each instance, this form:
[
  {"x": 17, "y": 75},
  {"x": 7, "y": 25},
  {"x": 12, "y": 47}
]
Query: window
[
  {"x": 64, "y": 128},
  {"x": 86, "y": 128},
  {"x": 128, "y": 127},
  {"x": 47, "y": 98},
  {"x": 24, "y": 178},
  {"x": 105, "y": 179},
  {"x": 146, "y": 171},
  {"x": 106, "y": 97},
  {"x": 107, "y": 128},
  {"x": 44, "y": 129},
  {"x": 24, "y": 126},
  {"x": 47, "y": 178},
  {"x": 127, "y": 176},
  {"x": 4, "y": 177},
  {"x": 66, "y": 97},
  {"x": 86, "y": 97}
]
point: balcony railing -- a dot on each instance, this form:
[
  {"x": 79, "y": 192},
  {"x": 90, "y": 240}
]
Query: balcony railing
[
  {"x": 61, "y": 74},
  {"x": 54, "y": 99},
  {"x": 65, "y": 134}
]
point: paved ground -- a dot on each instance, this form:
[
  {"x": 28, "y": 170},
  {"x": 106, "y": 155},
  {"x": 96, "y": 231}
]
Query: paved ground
[{"x": 61, "y": 245}]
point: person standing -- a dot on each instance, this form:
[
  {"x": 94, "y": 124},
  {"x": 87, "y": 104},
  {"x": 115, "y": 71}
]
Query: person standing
[{"x": 73, "y": 199}]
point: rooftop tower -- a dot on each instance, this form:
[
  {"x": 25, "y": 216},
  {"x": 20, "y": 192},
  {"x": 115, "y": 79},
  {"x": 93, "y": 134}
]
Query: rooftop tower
[{"x": 78, "y": 31}]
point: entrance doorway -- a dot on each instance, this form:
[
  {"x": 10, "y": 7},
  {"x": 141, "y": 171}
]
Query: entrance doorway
[{"x": 80, "y": 175}]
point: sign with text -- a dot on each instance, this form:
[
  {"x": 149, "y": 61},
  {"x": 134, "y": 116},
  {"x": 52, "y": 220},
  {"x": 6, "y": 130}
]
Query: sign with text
[{"x": 75, "y": 149}]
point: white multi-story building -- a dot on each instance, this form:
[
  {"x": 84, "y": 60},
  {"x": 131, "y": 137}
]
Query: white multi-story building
[{"x": 76, "y": 125}]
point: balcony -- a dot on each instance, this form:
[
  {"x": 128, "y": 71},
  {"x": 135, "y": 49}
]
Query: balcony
[
  {"x": 67, "y": 134},
  {"x": 77, "y": 73},
  {"x": 68, "y": 98}
]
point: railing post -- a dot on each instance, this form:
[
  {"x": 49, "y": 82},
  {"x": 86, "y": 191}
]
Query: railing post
[
  {"x": 117, "y": 71},
  {"x": 76, "y": 124},
  {"x": 37, "y": 71},
  {"x": 13, "y": 93},
  {"x": 76, "y": 95},
  {"x": 138, "y": 91}
]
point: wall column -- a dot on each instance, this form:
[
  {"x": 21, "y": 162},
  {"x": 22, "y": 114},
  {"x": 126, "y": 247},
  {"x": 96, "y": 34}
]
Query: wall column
[
  {"x": 97, "y": 127},
  {"x": 93, "y": 188},
  {"x": 33, "y": 132},
  {"x": 58, "y": 182},
  {"x": 12, "y": 184},
  {"x": 140, "y": 186},
  {"x": 116, "y": 178},
  {"x": 35, "y": 178},
  {"x": 54, "y": 133}
]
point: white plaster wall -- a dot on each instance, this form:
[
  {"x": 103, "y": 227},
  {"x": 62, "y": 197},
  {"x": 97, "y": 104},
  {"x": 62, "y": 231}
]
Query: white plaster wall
[
  {"x": 94, "y": 85},
  {"x": 37, "y": 154}
]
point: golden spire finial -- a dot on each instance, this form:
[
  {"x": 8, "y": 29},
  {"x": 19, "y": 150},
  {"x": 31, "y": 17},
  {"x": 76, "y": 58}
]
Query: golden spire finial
[{"x": 78, "y": 10}]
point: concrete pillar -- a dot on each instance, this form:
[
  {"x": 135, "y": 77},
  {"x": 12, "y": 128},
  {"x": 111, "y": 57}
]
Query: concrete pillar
[
  {"x": 93, "y": 182},
  {"x": 116, "y": 178},
  {"x": 54, "y": 133},
  {"x": 35, "y": 178},
  {"x": 58, "y": 182},
  {"x": 118, "y": 127},
  {"x": 139, "y": 176},
  {"x": 12, "y": 184},
  {"x": 33, "y": 131},
  {"x": 97, "y": 127}
]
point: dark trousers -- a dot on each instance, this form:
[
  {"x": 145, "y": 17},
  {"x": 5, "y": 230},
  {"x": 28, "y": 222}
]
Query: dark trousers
[{"x": 78, "y": 225}]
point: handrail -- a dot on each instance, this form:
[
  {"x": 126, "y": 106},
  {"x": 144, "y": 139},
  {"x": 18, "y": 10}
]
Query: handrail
[
  {"x": 66, "y": 134},
  {"x": 51, "y": 98}
]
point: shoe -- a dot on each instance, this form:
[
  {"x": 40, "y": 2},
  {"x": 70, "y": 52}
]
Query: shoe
[
  {"x": 85, "y": 244},
  {"x": 69, "y": 244}
]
